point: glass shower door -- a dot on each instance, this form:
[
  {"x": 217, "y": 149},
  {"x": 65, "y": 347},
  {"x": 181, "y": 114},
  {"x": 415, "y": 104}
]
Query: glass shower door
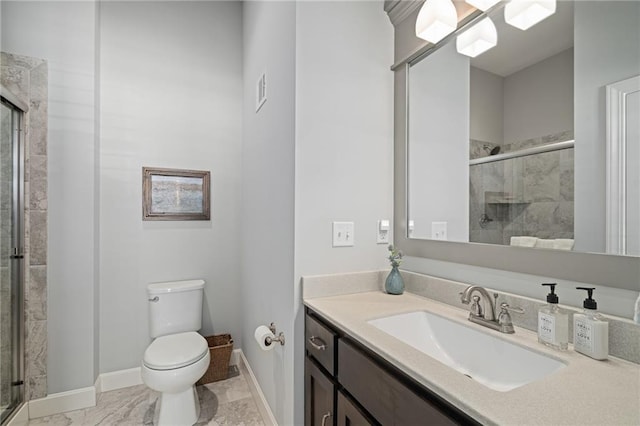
[{"x": 10, "y": 260}]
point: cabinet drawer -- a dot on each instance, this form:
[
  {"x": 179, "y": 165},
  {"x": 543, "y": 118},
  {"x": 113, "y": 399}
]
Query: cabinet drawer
[
  {"x": 320, "y": 343},
  {"x": 389, "y": 400}
]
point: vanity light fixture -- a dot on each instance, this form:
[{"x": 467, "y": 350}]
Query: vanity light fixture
[
  {"x": 477, "y": 39},
  {"x": 483, "y": 5},
  {"x": 524, "y": 14},
  {"x": 436, "y": 20}
]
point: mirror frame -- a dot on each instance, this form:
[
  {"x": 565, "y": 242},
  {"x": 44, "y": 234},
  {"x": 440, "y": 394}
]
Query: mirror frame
[{"x": 602, "y": 269}]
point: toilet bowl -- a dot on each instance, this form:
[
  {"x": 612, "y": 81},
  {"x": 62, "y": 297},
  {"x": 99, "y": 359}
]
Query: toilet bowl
[
  {"x": 171, "y": 365},
  {"x": 178, "y": 356}
]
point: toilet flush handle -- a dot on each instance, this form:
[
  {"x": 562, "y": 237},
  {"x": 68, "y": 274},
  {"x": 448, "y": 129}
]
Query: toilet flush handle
[{"x": 154, "y": 299}]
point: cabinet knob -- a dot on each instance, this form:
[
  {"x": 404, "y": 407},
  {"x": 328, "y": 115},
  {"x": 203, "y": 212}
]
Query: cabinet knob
[
  {"x": 317, "y": 343},
  {"x": 326, "y": 417}
]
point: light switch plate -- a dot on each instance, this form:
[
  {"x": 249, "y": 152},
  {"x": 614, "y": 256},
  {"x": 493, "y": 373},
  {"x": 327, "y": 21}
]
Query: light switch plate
[{"x": 343, "y": 234}]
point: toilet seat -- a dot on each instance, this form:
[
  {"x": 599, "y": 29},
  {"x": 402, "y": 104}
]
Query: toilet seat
[{"x": 175, "y": 351}]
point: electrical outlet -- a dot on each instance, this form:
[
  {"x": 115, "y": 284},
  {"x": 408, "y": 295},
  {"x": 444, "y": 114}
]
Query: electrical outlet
[
  {"x": 343, "y": 234},
  {"x": 384, "y": 228},
  {"x": 438, "y": 230}
]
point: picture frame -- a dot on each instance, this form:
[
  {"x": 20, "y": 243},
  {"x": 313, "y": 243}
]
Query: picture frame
[{"x": 175, "y": 194}]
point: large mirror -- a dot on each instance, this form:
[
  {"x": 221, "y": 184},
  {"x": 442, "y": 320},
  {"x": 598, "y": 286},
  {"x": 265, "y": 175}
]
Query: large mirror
[{"x": 535, "y": 142}]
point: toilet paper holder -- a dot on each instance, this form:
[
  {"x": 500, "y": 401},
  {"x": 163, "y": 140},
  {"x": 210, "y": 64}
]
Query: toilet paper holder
[{"x": 279, "y": 338}]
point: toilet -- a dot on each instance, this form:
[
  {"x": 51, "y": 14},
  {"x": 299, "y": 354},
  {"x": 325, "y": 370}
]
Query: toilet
[{"x": 178, "y": 356}]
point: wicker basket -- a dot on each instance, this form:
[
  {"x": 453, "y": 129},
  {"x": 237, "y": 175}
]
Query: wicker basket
[{"x": 220, "y": 347}]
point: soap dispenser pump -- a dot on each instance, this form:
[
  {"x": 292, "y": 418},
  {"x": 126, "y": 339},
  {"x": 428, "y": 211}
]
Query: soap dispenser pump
[
  {"x": 590, "y": 331},
  {"x": 553, "y": 322}
]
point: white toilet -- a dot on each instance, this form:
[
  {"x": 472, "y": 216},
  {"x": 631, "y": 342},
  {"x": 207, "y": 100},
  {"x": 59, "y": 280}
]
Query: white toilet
[{"x": 178, "y": 356}]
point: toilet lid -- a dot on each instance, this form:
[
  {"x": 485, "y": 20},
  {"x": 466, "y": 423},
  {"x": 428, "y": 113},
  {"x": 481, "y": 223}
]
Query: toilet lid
[{"x": 175, "y": 351}]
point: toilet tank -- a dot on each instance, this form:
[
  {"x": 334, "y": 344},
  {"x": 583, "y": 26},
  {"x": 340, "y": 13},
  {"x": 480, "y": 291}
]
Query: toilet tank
[{"x": 175, "y": 307}]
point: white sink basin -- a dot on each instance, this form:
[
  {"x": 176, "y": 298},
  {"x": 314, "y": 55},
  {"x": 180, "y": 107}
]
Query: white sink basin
[{"x": 489, "y": 360}]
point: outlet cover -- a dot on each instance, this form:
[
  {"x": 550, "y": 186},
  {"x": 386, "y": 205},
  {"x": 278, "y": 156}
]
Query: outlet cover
[
  {"x": 438, "y": 230},
  {"x": 383, "y": 230}
]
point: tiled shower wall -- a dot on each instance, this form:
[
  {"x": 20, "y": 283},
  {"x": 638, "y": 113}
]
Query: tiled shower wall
[
  {"x": 531, "y": 195},
  {"x": 26, "y": 78}
]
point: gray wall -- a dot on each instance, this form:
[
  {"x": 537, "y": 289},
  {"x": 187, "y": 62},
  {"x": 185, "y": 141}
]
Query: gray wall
[
  {"x": 267, "y": 218},
  {"x": 609, "y": 35},
  {"x": 63, "y": 33},
  {"x": 170, "y": 96},
  {"x": 343, "y": 131},
  {"x": 486, "y": 99},
  {"x": 538, "y": 100}
]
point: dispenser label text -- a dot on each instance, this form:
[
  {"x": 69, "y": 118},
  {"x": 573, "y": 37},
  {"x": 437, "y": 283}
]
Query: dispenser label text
[
  {"x": 583, "y": 336},
  {"x": 547, "y": 327}
]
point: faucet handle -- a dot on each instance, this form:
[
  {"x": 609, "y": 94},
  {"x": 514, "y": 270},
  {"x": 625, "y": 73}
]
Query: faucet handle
[
  {"x": 504, "y": 307},
  {"x": 504, "y": 319},
  {"x": 476, "y": 308}
]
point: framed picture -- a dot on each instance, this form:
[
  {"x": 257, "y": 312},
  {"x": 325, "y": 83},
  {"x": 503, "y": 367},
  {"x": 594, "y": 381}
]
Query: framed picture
[{"x": 174, "y": 194}]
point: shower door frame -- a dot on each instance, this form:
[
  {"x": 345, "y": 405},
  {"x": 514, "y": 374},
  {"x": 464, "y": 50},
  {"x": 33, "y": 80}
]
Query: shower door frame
[{"x": 17, "y": 255}]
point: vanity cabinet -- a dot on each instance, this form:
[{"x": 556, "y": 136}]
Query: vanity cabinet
[
  {"x": 348, "y": 384},
  {"x": 320, "y": 385},
  {"x": 319, "y": 396}
]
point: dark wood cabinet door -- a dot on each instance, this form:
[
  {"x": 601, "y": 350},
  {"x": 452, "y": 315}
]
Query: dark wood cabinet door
[
  {"x": 320, "y": 397},
  {"x": 383, "y": 394},
  {"x": 347, "y": 414}
]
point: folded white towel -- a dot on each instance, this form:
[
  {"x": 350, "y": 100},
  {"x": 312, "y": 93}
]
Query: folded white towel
[
  {"x": 523, "y": 241},
  {"x": 564, "y": 244},
  {"x": 547, "y": 244}
]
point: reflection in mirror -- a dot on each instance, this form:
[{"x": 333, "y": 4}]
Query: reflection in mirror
[
  {"x": 500, "y": 148},
  {"x": 623, "y": 178}
]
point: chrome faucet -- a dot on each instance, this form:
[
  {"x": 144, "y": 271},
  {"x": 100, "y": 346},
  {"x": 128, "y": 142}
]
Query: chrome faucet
[{"x": 487, "y": 316}]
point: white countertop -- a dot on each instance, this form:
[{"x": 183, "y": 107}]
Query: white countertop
[{"x": 585, "y": 392}]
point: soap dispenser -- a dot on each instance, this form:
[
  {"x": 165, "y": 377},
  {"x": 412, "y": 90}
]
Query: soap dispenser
[
  {"x": 590, "y": 331},
  {"x": 553, "y": 322}
]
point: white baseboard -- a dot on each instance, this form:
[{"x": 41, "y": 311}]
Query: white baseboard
[
  {"x": 83, "y": 398},
  {"x": 62, "y": 402},
  {"x": 21, "y": 417},
  {"x": 263, "y": 405},
  {"x": 118, "y": 380}
]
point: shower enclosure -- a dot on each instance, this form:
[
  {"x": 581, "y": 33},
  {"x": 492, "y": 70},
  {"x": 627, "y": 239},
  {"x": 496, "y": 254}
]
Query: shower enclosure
[
  {"x": 11, "y": 258},
  {"x": 524, "y": 192}
]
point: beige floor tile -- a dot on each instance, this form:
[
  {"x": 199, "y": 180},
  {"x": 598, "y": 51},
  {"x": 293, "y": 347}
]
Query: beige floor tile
[{"x": 227, "y": 402}]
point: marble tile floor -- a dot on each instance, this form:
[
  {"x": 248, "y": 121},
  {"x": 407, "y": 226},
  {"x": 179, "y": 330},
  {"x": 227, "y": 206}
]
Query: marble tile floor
[{"x": 224, "y": 403}]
